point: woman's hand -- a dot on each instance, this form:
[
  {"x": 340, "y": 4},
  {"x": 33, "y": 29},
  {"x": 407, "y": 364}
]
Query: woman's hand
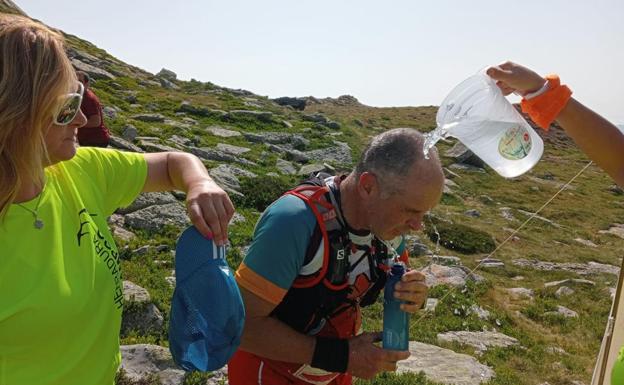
[{"x": 209, "y": 209}]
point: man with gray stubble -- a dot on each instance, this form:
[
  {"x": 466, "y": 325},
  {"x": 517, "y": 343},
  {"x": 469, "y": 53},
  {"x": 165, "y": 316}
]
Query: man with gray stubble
[{"x": 303, "y": 319}]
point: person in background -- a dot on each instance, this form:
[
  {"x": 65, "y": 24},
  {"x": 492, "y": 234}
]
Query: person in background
[
  {"x": 61, "y": 293},
  {"x": 94, "y": 133}
]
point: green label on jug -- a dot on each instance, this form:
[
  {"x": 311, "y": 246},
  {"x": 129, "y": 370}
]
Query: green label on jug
[{"x": 515, "y": 143}]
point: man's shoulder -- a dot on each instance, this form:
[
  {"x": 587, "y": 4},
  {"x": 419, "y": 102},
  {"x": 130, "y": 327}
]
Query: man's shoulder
[{"x": 288, "y": 209}]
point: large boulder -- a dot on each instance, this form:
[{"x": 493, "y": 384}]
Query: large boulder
[
  {"x": 139, "y": 314},
  {"x": 444, "y": 366},
  {"x": 296, "y": 103},
  {"x": 142, "y": 361},
  {"x": 154, "y": 218}
]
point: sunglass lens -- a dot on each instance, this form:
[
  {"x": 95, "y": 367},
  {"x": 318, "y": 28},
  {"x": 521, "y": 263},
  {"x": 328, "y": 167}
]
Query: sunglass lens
[{"x": 68, "y": 112}]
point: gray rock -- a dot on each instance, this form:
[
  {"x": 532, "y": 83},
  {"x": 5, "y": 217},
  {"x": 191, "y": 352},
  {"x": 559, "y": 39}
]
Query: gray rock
[
  {"x": 216, "y": 155},
  {"x": 285, "y": 167},
  {"x": 472, "y": 213},
  {"x": 297, "y": 141},
  {"x": 142, "y": 319},
  {"x": 340, "y": 153},
  {"x": 450, "y": 174},
  {"x": 444, "y": 365},
  {"x": 148, "y": 199},
  {"x": 222, "y": 132},
  {"x": 573, "y": 281},
  {"x": 564, "y": 291},
  {"x": 563, "y": 311},
  {"x": 93, "y": 71},
  {"x": 446, "y": 275},
  {"x": 140, "y": 361},
  {"x": 446, "y": 260},
  {"x": 233, "y": 150},
  {"x": 167, "y": 74},
  {"x": 154, "y": 218},
  {"x": 261, "y": 116},
  {"x": 467, "y": 167},
  {"x": 141, "y": 250},
  {"x": 295, "y": 103},
  {"x": 179, "y": 141},
  {"x": 461, "y": 154},
  {"x": 237, "y": 218},
  {"x": 521, "y": 292},
  {"x": 481, "y": 341},
  {"x": 416, "y": 247},
  {"x": 130, "y": 133},
  {"x": 431, "y": 304},
  {"x": 554, "y": 350},
  {"x": 310, "y": 169},
  {"x": 539, "y": 217},
  {"x": 187, "y": 107},
  {"x": 122, "y": 234},
  {"x": 578, "y": 268},
  {"x": 168, "y": 84},
  {"x": 290, "y": 153},
  {"x": 448, "y": 186},
  {"x": 151, "y": 118},
  {"x": 616, "y": 229},
  {"x": 479, "y": 311},
  {"x": 122, "y": 144},
  {"x": 131, "y": 97},
  {"x": 486, "y": 200},
  {"x": 226, "y": 176},
  {"x": 109, "y": 112},
  {"x": 617, "y": 190},
  {"x": 586, "y": 242},
  {"x": 490, "y": 262},
  {"x": 316, "y": 118},
  {"x": 506, "y": 212},
  {"x": 135, "y": 293}
]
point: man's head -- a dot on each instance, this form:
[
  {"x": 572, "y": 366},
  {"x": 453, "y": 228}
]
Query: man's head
[
  {"x": 397, "y": 185},
  {"x": 83, "y": 78}
]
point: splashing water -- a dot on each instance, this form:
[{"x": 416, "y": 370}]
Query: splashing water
[{"x": 436, "y": 135}]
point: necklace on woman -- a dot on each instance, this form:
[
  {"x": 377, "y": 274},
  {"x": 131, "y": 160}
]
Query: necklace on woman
[{"x": 38, "y": 223}]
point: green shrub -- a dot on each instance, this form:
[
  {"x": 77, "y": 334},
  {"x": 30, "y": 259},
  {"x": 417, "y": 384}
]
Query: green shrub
[
  {"x": 462, "y": 238},
  {"x": 260, "y": 192}
]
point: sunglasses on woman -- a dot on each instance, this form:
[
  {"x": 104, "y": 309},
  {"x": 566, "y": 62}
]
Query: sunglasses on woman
[{"x": 69, "y": 107}]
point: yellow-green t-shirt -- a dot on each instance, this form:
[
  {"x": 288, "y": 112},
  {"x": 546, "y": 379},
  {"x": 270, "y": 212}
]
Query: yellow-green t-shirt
[{"x": 60, "y": 286}]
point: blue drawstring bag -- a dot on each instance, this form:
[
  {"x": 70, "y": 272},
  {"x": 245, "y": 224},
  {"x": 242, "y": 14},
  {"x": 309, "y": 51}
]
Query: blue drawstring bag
[{"x": 207, "y": 311}]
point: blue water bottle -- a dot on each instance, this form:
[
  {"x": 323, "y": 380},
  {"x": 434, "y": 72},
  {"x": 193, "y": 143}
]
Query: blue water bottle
[{"x": 395, "y": 320}]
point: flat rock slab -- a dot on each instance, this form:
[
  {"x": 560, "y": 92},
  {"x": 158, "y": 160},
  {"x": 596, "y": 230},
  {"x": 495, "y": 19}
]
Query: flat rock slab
[
  {"x": 444, "y": 365},
  {"x": 140, "y": 361},
  {"x": 481, "y": 341},
  {"x": 578, "y": 268}
]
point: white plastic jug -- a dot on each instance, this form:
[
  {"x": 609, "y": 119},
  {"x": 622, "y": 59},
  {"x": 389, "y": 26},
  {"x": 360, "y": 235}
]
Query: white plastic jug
[{"x": 477, "y": 113}]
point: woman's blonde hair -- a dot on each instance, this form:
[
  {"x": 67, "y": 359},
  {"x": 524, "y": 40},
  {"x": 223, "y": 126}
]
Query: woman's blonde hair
[{"x": 34, "y": 74}]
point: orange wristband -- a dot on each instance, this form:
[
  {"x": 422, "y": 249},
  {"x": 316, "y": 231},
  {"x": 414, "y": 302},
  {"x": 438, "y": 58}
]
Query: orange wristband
[{"x": 543, "y": 109}]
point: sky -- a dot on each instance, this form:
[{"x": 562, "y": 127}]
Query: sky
[{"x": 385, "y": 53}]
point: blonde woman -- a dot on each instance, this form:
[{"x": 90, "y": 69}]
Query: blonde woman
[{"x": 60, "y": 285}]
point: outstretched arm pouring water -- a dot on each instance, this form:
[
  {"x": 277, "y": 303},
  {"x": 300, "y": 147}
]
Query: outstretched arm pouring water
[{"x": 602, "y": 141}]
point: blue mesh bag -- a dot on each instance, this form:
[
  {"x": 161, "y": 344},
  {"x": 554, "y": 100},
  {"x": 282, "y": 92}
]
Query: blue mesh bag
[{"x": 207, "y": 311}]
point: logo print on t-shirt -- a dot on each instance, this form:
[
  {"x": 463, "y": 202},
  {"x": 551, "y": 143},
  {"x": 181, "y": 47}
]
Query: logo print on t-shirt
[{"x": 104, "y": 249}]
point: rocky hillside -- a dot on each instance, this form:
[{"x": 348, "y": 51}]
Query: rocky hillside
[{"x": 532, "y": 313}]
